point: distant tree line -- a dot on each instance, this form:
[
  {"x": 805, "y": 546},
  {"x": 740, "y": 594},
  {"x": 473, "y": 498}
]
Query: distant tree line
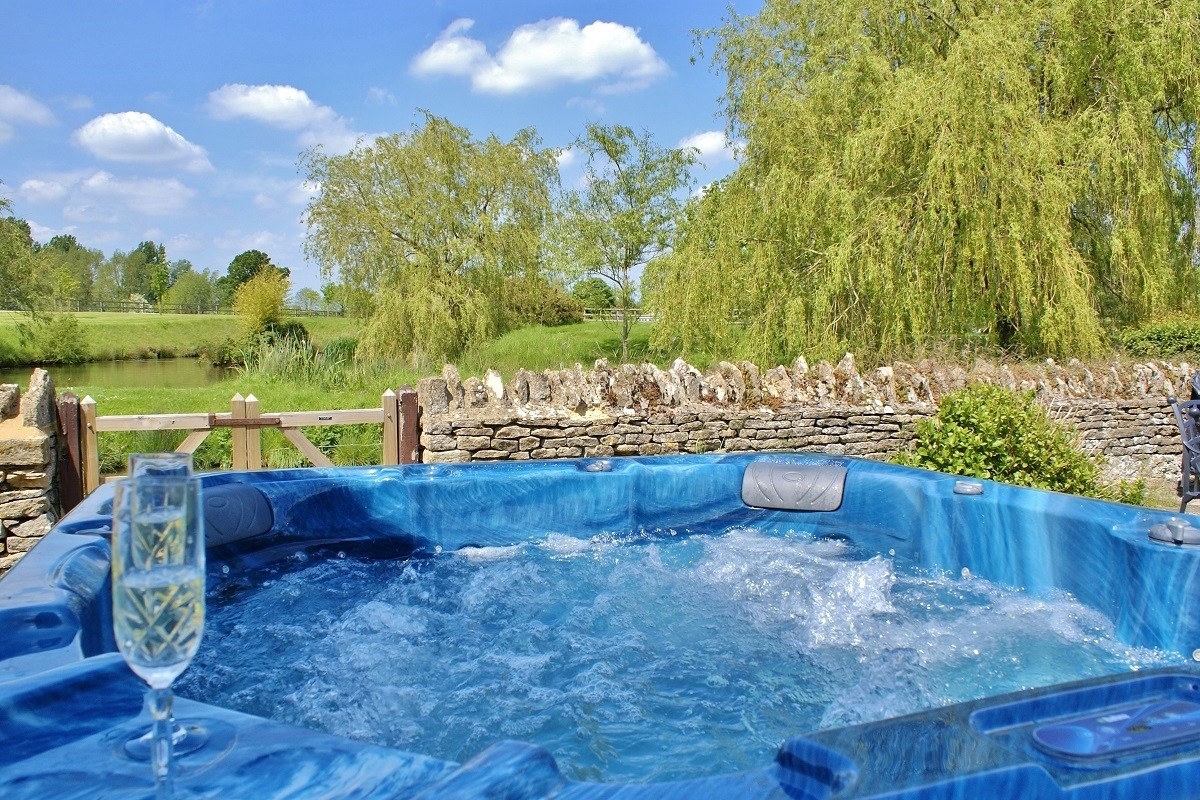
[{"x": 63, "y": 273}]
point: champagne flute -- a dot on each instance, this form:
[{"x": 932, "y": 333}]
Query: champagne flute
[
  {"x": 170, "y": 464},
  {"x": 158, "y": 593}
]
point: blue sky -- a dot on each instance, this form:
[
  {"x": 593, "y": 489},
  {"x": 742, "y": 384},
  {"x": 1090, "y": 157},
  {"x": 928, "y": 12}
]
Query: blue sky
[{"x": 182, "y": 122}]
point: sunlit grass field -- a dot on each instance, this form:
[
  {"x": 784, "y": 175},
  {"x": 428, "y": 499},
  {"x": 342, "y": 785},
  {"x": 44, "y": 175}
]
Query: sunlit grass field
[{"x": 124, "y": 336}]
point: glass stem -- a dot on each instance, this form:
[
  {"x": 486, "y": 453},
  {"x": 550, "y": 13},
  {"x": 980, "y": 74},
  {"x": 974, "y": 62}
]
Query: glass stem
[{"x": 159, "y": 702}]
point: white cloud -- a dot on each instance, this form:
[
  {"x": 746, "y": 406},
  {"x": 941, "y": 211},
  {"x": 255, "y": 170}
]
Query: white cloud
[
  {"x": 335, "y": 139},
  {"x": 41, "y": 233},
  {"x": 380, "y": 97},
  {"x": 453, "y": 54},
  {"x": 288, "y": 108},
  {"x": 544, "y": 54},
  {"x": 181, "y": 245},
  {"x": 281, "y": 106},
  {"x": 137, "y": 137},
  {"x": 155, "y": 196},
  {"x": 240, "y": 241},
  {"x": 303, "y": 191},
  {"x": 566, "y": 157},
  {"x": 589, "y": 104},
  {"x": 39, "y": 191},
  {"x": 84, "y": 211},
  {"x": 711, "y": 145},
  {"x": 18, "y": 107}
]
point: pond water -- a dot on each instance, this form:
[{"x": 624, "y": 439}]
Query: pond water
[{"x": 82, "y": 378}]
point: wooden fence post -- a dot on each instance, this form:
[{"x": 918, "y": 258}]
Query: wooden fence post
[
  {"x": 237, "y": 411},
  {"x": 91, "y": 447},
  {"x": 410, "y": 431},
  {"x": 70, "y": 453},
  {"x": 253, "y": 435},
  {"x": 391, "y": 428}
]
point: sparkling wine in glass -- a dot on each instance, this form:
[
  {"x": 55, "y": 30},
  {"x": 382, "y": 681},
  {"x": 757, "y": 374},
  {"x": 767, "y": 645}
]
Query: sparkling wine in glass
[{"x": 158, "y": 594}]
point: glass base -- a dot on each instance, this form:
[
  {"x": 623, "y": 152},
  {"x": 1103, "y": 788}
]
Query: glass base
[{"x": 185, "y": 738}]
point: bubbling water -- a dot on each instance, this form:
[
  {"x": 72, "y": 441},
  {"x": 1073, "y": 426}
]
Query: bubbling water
[{"x": 639, "y": 657}]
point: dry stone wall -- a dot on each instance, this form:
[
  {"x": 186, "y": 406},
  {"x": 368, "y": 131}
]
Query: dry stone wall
[
  {"x": 28, "y": 496},
  {"x": 1121, "y": 411}
]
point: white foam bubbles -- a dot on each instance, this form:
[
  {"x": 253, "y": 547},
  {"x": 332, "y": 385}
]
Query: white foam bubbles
[{"x": 632, "y": 655}]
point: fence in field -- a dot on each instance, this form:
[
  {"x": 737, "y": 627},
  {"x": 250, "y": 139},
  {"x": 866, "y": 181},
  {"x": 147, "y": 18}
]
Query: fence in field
[
  {"x": 616, "y": 314},
  {"x": 81, "y": 426}
]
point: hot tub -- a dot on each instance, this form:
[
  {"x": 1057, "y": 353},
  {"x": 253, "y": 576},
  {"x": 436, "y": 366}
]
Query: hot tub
[{"x": 1124, "y": 727}]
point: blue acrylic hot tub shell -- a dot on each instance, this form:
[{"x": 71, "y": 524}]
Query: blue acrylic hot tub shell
[{"x": 67, "y": 700}]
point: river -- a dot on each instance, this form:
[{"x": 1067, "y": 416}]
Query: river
[{"x": 83, "y": 378}]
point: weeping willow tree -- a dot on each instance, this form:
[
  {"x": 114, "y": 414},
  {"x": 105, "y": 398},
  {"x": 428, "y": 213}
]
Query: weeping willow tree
[
  {"x": 436, "y": 226},
  {"x": 1010, "y": 173}
]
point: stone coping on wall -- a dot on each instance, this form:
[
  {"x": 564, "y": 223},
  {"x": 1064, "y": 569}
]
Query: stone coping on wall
[{"x": 644, "y": 386}]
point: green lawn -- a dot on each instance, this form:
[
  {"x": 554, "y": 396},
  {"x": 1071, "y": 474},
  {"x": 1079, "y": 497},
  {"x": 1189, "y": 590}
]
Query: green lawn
[
  {"x": 539, "y": 348},
  {"x": 122, "y": 336}
]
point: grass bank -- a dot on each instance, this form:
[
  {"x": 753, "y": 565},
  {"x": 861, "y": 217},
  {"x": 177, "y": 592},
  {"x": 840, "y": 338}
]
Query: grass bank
[{"x": 119, "y": 336}]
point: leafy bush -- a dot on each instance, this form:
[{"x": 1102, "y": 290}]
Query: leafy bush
[
  {"x": 535, "y": 301},
  {"x": 1165, "y": 338},
  {"x": 285, "y": 331},
  {"x": 594, "y": 293},
  {"x": 991, "y": 432},
  {"x": 259, "y": 301},
  {"x": 53, "y": 339}
]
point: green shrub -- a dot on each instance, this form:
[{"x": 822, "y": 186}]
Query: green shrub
[
  {"x": 594, "y": 293},
  {"x": 991, "y": 432},
  {"x": 534, "y": 301},
  {"x": 1160, "y": 339},
  {"x": 286, "y": 331},
  {"x": 53, "y": 339},
  {"x": 259, "y": 301}
]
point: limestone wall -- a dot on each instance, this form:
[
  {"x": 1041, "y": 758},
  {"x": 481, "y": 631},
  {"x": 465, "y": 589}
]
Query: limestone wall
[
  {"x": 28, "y": 498},
  {"x": 1121, "y": 411}
]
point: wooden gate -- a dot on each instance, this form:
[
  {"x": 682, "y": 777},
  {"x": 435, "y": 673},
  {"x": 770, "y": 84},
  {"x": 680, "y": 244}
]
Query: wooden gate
[{"x": 398, "y": 414}]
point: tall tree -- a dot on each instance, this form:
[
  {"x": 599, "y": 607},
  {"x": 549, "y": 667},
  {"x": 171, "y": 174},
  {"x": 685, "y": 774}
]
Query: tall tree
[
  {"x": 243, "y": 267},
  {"x": 626, "y": 213},
  {"x": 306, "y": 299},
  {"x": 67, "y": 269},
  {"x": 430, "y": 221},
  {"x": 144, "y": 271},
  {"x": 594, "y": 293},
  {"x": 16, "y": 254},
  {"x": 1016, "y": 173},
  {"x": 194, "y": 292}
]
